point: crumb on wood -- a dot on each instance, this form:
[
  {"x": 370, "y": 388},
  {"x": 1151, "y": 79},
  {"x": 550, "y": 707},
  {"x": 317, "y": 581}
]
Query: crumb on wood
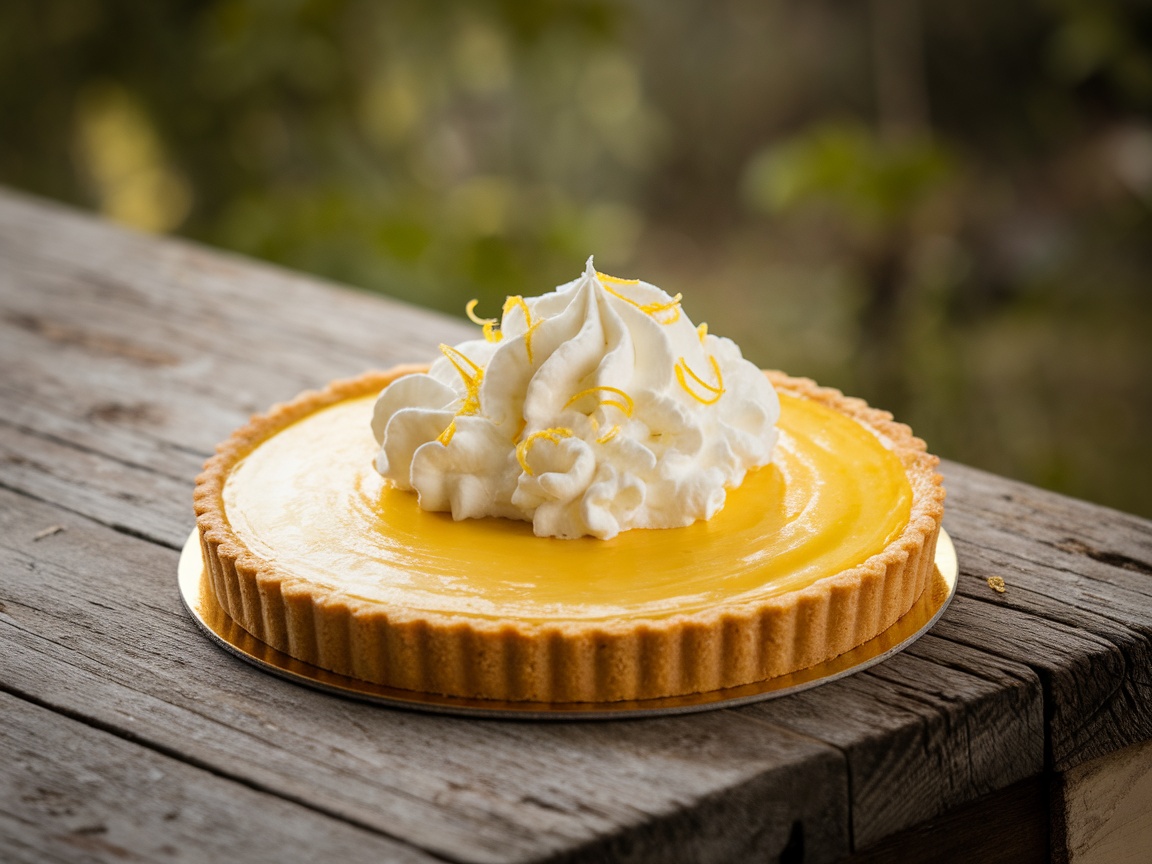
[
  {"x": 48, "y": 532},
  {"x": 996, "y": 583}
]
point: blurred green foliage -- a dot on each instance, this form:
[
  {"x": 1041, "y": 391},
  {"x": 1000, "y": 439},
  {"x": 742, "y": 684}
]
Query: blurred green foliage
[
  {"x": 946, "y": 208},
  {"x": 869, "y": 182}
]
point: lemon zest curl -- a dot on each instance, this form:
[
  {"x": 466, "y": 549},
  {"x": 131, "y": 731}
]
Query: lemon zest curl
[
  {"x": 669, "y": 311},
  {"x": 490, "y": 334},
  {"x": 472, "y": 380},
  {"x": 717, "y": 389},
  {"x": 553, "y": 435},
  {"x": 625, "y": 403},
  {"x": 518, "y": 302}
]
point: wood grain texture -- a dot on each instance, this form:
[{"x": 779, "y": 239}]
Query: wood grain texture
[
  {"x": 69, "y": 792},
  {"x": 1083, "y": 623},
  {"x": 932, "y": 728},
  {"x": 1076, "y": 609},
  {"x": 1009, "y": 826},
  {"x": 1084, "y": 534},
  {"x": 126, "y": 358}
]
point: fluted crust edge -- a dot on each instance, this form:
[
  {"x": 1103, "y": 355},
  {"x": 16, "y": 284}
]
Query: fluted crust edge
[{"x": 727, "y": 646}]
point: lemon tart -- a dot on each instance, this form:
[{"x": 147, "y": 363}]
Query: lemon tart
[{"x": 312, "y": 551}]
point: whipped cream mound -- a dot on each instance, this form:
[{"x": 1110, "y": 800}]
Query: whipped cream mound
[{"x": 591, "y": 410}]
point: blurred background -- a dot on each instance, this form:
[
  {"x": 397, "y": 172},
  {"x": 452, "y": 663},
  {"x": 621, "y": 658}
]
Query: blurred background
[{"x": 943, "y": 207}]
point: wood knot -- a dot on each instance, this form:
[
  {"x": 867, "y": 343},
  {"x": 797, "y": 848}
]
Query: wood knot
[
  {"x": 91, "y": 342},
  {"x": 1114, "y": 559},
  {"x": 138, "y": 414}
]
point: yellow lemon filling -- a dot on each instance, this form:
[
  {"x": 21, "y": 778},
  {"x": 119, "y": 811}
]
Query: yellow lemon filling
[{"x": 309, "y": 500}]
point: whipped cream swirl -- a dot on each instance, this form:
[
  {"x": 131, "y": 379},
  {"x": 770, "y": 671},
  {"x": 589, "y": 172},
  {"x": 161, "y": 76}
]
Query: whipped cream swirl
[{"x": 592, "y": 410}]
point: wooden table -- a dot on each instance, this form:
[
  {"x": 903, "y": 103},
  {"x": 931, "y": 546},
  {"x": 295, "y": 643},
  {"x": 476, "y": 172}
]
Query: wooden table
[{"x": 126, "y": 735}]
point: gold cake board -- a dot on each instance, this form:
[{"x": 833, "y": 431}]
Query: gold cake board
[{"x": 201, "y": 602}]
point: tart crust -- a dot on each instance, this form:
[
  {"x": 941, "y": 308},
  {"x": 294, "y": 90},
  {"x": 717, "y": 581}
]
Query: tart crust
[{"x": 726, "y": 646}]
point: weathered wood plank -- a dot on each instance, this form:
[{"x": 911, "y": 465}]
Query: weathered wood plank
[
  {"x": 92, "y": 625},
  {"x": 1087, "y": 534},
  {"x": 103, "y": 327},
  {"x": 1009, "y": 826},
  {"x": 928, "y": 730},
  {"x": 122, "y": 496},
  {"x": 191, "y": 288},
  {"x": 1088, "y": 640},
  {"x": 69, "y": 792},
  {"x": 170, "y": 416}
]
